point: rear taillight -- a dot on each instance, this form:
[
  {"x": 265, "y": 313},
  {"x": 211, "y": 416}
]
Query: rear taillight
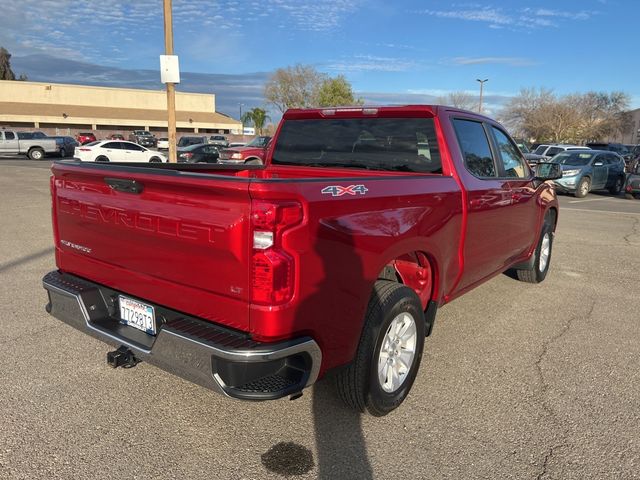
[
  {"x": 187, "y": 155},
  {"x": 273, "y": 268},
  {"x": 84, "y": 149}
]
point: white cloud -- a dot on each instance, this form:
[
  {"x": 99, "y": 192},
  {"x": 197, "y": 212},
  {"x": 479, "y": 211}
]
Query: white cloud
[
  {"x": 498, "y": 17},
  {"x": 511, "y": 61},
  {"x": 372, "y": 63}
]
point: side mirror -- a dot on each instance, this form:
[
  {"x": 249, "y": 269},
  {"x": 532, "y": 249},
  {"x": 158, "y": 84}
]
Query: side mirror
[
  {"x": 548, "y": 171},
  {"x": 598, "y": 164}
]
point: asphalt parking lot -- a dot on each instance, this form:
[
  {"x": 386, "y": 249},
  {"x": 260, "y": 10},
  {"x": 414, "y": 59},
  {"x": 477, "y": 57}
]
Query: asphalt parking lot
[{"x": 518, "y": 381}]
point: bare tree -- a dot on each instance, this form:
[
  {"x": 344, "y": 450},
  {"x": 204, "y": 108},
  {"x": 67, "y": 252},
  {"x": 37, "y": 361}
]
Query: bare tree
[
  {"x": 578, "y": 118},
  {"x": 459, "y": 99}
]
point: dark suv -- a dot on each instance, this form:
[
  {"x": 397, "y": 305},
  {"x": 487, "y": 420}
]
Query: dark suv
[{"x": 144, "y": 138}]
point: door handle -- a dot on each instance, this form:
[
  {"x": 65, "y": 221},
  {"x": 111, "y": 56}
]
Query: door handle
[{"x": 124, "y": 185}]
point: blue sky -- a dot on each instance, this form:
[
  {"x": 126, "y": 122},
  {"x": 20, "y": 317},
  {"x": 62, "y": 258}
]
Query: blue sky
[{"x": 391, "y": 51}]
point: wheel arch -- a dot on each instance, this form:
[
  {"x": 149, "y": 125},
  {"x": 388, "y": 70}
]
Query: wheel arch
[{"x": 416, "y": 269}]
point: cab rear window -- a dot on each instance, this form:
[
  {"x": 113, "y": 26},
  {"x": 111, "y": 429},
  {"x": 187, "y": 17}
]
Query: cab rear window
[{"x": 393, "y": 144}]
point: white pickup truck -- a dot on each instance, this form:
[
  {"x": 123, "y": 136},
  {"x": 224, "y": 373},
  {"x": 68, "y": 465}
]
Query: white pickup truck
[{"x": 14, "y": 143}]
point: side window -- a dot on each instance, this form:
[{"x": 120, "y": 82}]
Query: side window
[
  {"x": 510, "y": 155},
  {"x": 131, "y": 146},
  {"x": 9, "y": 136},
  {"x": 475, "y": 148},
  {"x": 115, "y": 145}
]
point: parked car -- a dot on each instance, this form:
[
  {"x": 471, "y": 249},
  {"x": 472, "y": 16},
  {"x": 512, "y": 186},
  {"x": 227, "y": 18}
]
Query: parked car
[
  {"x": 191, "y": 140},
  {"x": 163, "y": 143},
  {"x": 199, "y": 153},
  {"x": 66, "y": 144},
  {"x": 549, "y": 150},
  {"x": 85, "y": 137},
  {"x": 237, "y": 144},
  {"x": 587, "y": 170},
  {"x": 23, "y": 143},
  {"x": 115, "y": 136},
  {"x": 335, "y": 258},
  {"x": 619, "y": 148},
  {"x": 117, "y": 151},
  {"x": 144, "y": 138},
  {"x": 252, "y": 153},
  {"x": 632, "y": 186},
  {"x": 531, "y": 158},
  {"x": 219, "y": 140}
]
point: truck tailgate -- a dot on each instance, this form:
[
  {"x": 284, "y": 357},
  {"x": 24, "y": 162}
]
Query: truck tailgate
[{"x": 181, "y": 240}]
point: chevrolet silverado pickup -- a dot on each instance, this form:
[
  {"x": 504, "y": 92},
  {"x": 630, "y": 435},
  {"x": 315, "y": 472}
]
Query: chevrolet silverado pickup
[
  {"x": 332, "y": 257},
  {"x": 23, "y": 143}
]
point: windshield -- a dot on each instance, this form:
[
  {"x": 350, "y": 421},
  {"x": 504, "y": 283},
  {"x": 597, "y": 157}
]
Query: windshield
[
  {"x": 259, "y": 142},
  {"x": 575, "y": 159},
  {"x": 400, "y": 144}
]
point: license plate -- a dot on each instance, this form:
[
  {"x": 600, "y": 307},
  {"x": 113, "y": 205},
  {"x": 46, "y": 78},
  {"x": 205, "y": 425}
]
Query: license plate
[{"x": 137, "y": 315}]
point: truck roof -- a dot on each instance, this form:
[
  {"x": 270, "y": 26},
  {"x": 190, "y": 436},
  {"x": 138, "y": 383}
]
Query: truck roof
[{"x": 373, "y": 111}]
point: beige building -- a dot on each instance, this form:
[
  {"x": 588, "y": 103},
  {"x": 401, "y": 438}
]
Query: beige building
[{"x": 62, "y": 109}]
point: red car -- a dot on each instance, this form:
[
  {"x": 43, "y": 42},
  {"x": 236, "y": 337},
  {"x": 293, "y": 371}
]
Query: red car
[
  {"x": 252, "y": 153},
  {"x": 85, "y": 137},
  {"x": 257, "y": 280}
]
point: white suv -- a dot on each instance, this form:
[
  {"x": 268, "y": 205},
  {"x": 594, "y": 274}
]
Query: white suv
[{"x": 549, "y": 150}]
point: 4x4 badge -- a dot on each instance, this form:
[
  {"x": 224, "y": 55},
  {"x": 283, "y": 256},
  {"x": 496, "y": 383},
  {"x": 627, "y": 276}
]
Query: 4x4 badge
[{"x": 338, "y": 191}]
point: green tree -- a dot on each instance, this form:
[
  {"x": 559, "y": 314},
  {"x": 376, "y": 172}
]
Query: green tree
[
  {"x": 294, "y": 87},
  {"x": 5, "y": 65},
  {"x": 334, "y": 92},
  {"x": 256, "y": 117}
]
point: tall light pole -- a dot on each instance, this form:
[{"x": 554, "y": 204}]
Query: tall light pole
[
  {"x": 171, "y": 87},
  {"x": 241, "y": 122},
  {"x": 481, "y": 85}
]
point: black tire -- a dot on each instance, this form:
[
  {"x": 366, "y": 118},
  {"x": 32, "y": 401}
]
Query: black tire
[
  {"x": 63, "y": 153},
  {"x": 155, "y": 160},
  {"x": 102, "y": 158},
  {"x": 36, "y": 154},
  {"x": 538, "y": 274},
  {"x": 358, "y": 384},
  {"x": 616, "y": 188},
  {"x": 583, "y": 188}
]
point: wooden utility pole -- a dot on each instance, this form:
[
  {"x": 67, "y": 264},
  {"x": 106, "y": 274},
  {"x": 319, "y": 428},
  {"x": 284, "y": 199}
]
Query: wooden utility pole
[{"x": 171, "y": 88}]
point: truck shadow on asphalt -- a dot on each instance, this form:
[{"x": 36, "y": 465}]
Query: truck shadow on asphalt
[
  {"x": 339, "y": 438},
  {"x": 26, "y": 259}
]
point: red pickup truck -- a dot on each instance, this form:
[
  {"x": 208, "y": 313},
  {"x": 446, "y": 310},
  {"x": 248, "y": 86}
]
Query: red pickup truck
[{"x": 257, "y": 280}]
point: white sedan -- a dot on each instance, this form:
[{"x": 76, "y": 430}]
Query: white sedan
[{"x": 116, "y": 151}]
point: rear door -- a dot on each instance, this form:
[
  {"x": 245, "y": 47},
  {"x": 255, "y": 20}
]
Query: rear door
[
  {"x": 487, "y": 246},
  {"x": 181, "y": 241},
  {"x": 112, "y": 150}
]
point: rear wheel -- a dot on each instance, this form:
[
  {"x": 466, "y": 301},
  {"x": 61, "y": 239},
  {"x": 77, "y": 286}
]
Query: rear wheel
[
  {"x": 542, "y": 258},
  {"x": 36, "y": 154},
  {"x": 389, "y": 353},
  {"x": 102, "y": 158},
  {"x": 583, "y": 188},
  {"x": 617, "y": 186},
  {"x": 155, "y": 160},
  {"x": 63, "y": 153}
]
